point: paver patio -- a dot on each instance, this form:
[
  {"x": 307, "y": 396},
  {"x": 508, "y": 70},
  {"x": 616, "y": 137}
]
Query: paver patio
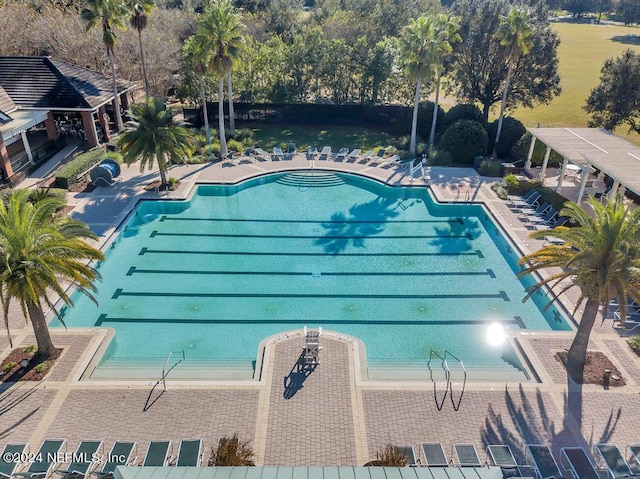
[{"x": 329, "y": 416}]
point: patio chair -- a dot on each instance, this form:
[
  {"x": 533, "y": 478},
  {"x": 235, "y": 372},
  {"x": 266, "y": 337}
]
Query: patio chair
[
  {"x": 434, "y": 454},
  {"x": 342, "y": 154},
  {"x": 407, "y": 451},
  {"x": 158, "y": 454},
  {"x": 354, "y": 154},
  {"x": 633, "y": 453},
  {"x": 578, "y": 463},
  {"x": 542, "y": 209},
  {"x": 559, "y": 221},
  {"x": 123, "y": 453},
  {"x": 291, "y": 150},
  {"x": 312, "y": 152},
  {"x": 11, "y": 459},
  {"x": 391, "y": 161},
  {"x": 45, "y": 459},
  {"x": 552, "y": 240},
  {"x": 247, "y": 154},
  {"x": 367, "y": 156},
  {"x": 379, "y": 155},
  {"x": 521, "y": 199},
  {"x": 277, "y": 153},
  {"x": 502, "y": 456},
  {"x": 613, "y": 461},
  {"x": 466, "y": 455},
  {"x": 325, "y": 153},
  {"x": 261, "y": 154},
  {"x": 543, "y": 462},
  {"x": 86, "y": 457},
  {"x": 189, "y": 453},
  {"x": 631, "y": 322},
  {"x": 547, "y": 219}
]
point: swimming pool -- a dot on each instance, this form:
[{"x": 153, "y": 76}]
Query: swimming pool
[{"x": 215, "y": 275}]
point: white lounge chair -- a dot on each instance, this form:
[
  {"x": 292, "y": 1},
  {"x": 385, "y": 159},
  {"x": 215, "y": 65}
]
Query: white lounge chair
[
  {"x": 354, "y": 154},
  {"x": 261, "y": 154},
  {"x": 367, "y": 156},
  {"x": 325, "y": 153},
  {"x": 312, "y": 153},
  {"x": 277, "y": 153},
  {"x": 379, "y": 155},
  {"x": 342, "y": 154},
  {"x": 291, "y": 150},
  {"x": 390, "y": 161}
]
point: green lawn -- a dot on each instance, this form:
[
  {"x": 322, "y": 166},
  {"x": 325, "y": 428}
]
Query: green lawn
[
  {"x": 582, "y": 52},
  {"x": 267, "y": 136}
]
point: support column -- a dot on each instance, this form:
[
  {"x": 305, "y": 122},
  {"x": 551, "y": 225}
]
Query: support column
[
  {"x": 124, "y": 101},
  {"x": 583, "y": 183},
  {"x": 561, "y": 174},
  {"x": 543, "y": 170},
  {"x": 27, "y": 146},
  {"x": 527, "y": 164},
  {"x": 4, "y": 158},
  {"x": 614, "y": 190},
  {"x": 50, "y": 124},
  {"x": 103, "y": 118},
  {"x": 90, "y": 129}
]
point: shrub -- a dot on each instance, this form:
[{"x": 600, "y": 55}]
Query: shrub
[
  {"x": 462, "y": 111},
  {"x": 465, "y": 140},
  {"x": 512, "y": 182},
  {"x": 490, "y": 167},
  {"x": 30, "y": 349},
  {"x": 71, "y": 173},
  {"x": 550, "y": 195},
  {"x": 231, "y": 452},
  {"x": 425, "y": 117},
  {"x": 390, "y": 456},
  {"x": 172, "y": 183},
  {"x": 235, "y": 145},
  {"x": 634, "y": 342},
  {"x": 9, "y": 366},
  {"x": 512, "y": 131},
  {"x": 42, "y": 193},
  {"x": 438, "y": 157},
  {"x": 40, "y": 368},
  {"x": 500, "y": 190}
]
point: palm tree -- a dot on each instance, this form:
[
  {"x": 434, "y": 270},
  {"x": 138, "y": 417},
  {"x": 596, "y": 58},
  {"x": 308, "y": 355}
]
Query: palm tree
[
  {"x": 109, "y": 14},
  {"x": 516, "y": 33},
  {"x": 197, "y": 58},
  {"x": 41, "y": 252},
  {"x": 218, "y": 38},
  {"x": 445, "y": 35},
  {"x": 152, "y": 136},
  {"x": 140, "y": 11},
  {"x": 416, "y": 53},
  {"x": 601, "y": 256}
]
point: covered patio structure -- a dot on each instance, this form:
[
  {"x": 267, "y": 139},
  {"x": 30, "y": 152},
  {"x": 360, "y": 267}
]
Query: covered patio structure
[{"x": 588, "y": 150}]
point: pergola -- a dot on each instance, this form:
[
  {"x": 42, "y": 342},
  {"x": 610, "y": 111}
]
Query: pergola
[{"x": 588, "y": 148}]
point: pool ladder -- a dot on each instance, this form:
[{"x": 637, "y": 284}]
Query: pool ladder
[
  {"x": 447, "y": 375},
  {"x": 466, "y": 196},
  {"x": 166, "y": 369}
]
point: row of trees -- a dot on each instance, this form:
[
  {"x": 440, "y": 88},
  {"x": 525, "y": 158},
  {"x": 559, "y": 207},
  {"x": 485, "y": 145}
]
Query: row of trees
[{"x": 627, "y": 11}]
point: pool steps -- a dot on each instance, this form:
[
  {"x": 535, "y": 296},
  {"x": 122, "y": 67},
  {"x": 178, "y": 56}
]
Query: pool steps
[{"x": 311, "y": 179}]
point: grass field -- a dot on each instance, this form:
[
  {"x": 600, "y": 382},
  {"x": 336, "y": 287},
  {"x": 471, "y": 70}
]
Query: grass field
[{"x": 582, "y": 52}]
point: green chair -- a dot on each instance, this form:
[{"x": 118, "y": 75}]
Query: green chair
[
  {"x": 189, "y": 453},
  {"x": 12, "y": 456},
  {"x": 158, "y": 454},
  {"x": 86, "y": 457},
  {"x": 122, "y": 453},
  {"x": 48, "y": 456}
]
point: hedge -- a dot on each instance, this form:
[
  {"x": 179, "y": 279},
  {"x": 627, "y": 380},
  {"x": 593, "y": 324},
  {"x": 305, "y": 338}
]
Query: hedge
[{"x": 69, "y": 173}]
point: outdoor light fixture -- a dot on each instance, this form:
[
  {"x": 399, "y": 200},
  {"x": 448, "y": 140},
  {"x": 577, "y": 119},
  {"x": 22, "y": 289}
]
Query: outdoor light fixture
[{"x": 24, "y": 363}]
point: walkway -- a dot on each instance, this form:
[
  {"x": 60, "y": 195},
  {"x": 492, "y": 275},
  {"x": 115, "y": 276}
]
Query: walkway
[{"x": 328, "y": 416}]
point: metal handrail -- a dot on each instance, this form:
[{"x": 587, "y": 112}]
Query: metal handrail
[
  {"x": 455, "y": 405},
  {"x": 445, "y": 367},
  {"x": 166, "y": 363}
]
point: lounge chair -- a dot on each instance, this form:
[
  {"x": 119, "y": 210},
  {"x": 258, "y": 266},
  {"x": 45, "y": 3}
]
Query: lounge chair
[
  {"x": 519, "y": 199},
  {"x": 613, "y": 461},
  {"x": 86, "y": 457},
  {"x": 341, "y": 155},
  {"x": 277, "y": 153},
  {"x": 543, "y": 462},
  {"x": 291, "y": 150},
  {"x": 312, "y": 152},
  {"x": 542, "y": 209},
  {"x": 552, "y": 240},
  {"x": 379, "y": 155},
  {"x": 559, "y": 221},
  {"x": 466, "y": 455},
  {"x": 11, "y": 459},
  {"x": 367, "y": 156},
  {"x": 158, "y": 454},
  {"x": 354, "y": 154},
  {"x": 189, "y": 453},
  {"x": 502, "y": 456},
  {"x": 325, "y": 153},
  {"x": 633, "y": 453},
  {"x": 261, "y": 153},
  {"x": 434, "y": 454},
  {"x": 122, "y": 453},
  {"x": 45, "y": 459},
  {"x": 391, "y": 161},
  {"x": 407, "y": 451},
  {"x": 547, "y": 219},
  {"x": 530, "y": 201},
  {"x": 578, "y": 463},
  {"x": 247, "y": 154}
]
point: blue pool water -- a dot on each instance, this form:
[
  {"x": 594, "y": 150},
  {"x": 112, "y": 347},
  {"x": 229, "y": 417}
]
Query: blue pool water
[{"x": 215, "y": 275}]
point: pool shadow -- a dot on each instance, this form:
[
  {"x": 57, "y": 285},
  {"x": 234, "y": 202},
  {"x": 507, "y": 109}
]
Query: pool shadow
[
  {"x": 299, "y": 373},
  {"x": 364, "y": 220}
]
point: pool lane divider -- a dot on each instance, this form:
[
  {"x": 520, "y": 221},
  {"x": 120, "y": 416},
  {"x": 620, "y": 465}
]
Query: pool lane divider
[
  {"x": 120, "y": 292},
  {"x": 264, "y": 236},
  {"x": 104, "y": 318},
  {"x": 134, "y": 270},
  {"x": 258, "y": 220},
  {"x": 146, "y": 250}
]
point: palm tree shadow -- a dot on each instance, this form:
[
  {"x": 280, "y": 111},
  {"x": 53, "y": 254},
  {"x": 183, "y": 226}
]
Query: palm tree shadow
[
  {"x": 457, "y": 235},
  {"x": 364, "y": 220},
  {"x": 530, "y": 422}
]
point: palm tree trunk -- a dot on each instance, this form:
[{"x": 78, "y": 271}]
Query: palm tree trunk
[
  {"x": 162, "y": 168},
  {"x": 434, "y": 118},
  {"x": 577, "y": 356},
  {"x": 116, "y": 98},
  {"x": 232, "y": 119},
  {"x": 223, "y": 140},
  {"x": 502, "y": 106},
  {"x": 205, "y": 113},
  {"x": 144, "y": 67},
  {"x": 414, "y": 121},
  {"x": 43, "y": 338}
]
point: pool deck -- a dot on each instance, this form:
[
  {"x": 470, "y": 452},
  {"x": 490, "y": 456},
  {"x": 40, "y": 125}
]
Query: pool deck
[{"x": 328, "y": 416}]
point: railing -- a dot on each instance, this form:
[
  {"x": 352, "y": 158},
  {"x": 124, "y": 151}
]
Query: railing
[
  {"x": 447, "y": 375},
  {"x": 455, "y": 405},
  {"x": 166, "y": 371}
]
